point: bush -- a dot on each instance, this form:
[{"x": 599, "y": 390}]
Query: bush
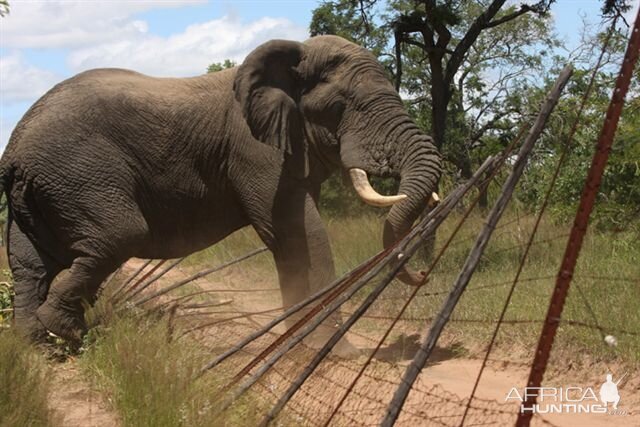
[{"x": 6, "y": 299}]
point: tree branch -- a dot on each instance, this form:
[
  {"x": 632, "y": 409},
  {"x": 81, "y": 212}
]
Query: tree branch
[
  {"x": 510, "y": 17},
  {"x": 444, "y": 35},
  {"x": 470, "y": 37}
]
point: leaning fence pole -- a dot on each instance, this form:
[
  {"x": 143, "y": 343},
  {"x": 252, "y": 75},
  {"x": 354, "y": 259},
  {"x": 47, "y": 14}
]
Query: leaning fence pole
[
  {"x": 197, "y": 276},
  {"x": 131, "y": 294},
  {"x": 580, "y": 224},
  {"x": 353, "y": 275},
  {"x": 426, "y": 226},
  {"x": 141, "y": 280},
  {"x": 347, "y": 280},
  {"x": 406, "y": 246},
  {"x": 130, "y": 279},
  {"x": 431, "y": 338}
]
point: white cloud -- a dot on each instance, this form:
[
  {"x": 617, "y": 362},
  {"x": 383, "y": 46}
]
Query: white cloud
[
  {"x": 20, "y": 81},
  {"x": 189, "y": 52},
  {"x": 63, "y": 24},
  {"x": 97, "y": 34},
  {"x": 6, "y": 127}
]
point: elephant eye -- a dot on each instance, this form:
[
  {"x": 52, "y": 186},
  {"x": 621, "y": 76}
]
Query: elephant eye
[{"x": 337, "y": 108}]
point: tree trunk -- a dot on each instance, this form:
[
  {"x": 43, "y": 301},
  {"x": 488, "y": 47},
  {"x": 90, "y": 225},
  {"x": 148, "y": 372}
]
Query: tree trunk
[{"x": 440, "y": 95}]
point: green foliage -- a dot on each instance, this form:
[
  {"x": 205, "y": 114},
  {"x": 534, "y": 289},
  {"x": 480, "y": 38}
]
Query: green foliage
[
  {"x": 25, "y": 378},
  {"x": 4, "y": 8},
  {"x": 344, "y": 18},
  {"x": 219, "y": 66},
  {"x": 617, "y": 203},
  {"x": 339, "y": 199},
  {"x": 500, "y": 84},
  {"x": 6, "y": 298},
  {"x": 612, "y": 7}
]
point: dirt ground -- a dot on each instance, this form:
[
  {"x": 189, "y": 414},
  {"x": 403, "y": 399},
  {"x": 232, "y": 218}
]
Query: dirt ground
[
  {"x": 439, "y": 397},
  {"x": 75, "y": 402}
]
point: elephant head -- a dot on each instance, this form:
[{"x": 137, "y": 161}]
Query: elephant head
[{"x": 327, "y": 103}]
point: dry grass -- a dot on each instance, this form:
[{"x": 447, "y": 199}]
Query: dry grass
[
  {"x": 25, "y": 376},
  {"x": 149, "y": 377},
  {"x": 604, "y": 290},
  {"x": 607, "y": 276}
]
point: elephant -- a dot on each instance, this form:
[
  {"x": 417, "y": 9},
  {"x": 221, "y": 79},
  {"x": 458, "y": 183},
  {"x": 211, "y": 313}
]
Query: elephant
[{"x": 113, "y": 164}]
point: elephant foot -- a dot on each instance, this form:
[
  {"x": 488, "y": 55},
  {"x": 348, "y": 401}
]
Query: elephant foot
[
  {"x": 63, "y": 320},
  {"x": 412, "y": 278},
  {"x": 31, "y": 329},
  {"x": 346, "y": 350},
  {"x": 343, "y": 349}
]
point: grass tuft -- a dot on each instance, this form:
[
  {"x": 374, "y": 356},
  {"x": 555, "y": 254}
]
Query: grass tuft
[
  {"x": 24, "y": 375},
  {"x": 150, "y": 378}
]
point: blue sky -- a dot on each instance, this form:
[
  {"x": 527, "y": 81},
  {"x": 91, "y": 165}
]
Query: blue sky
[{"x": 44, "y": 42}]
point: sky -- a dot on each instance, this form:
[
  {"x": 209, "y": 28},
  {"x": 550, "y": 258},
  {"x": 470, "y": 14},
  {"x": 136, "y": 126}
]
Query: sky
[{"x": 46, "y": 41}]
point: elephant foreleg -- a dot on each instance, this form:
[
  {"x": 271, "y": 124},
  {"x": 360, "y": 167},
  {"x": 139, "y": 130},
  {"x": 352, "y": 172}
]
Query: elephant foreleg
[{"x": 305, "y": 264}]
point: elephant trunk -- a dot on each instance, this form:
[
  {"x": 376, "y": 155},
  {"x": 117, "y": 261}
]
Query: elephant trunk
[{"x": 420, "y": 172}]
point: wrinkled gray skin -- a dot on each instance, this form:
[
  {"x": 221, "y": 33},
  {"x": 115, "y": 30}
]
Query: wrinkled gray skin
[{"x": 112, "y": 164}]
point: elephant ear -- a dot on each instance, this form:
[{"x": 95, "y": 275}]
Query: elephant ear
[{"x": 267, "y": 86}]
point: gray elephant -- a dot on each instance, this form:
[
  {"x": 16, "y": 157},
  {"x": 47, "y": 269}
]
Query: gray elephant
[{"x": 112, "y": 164}]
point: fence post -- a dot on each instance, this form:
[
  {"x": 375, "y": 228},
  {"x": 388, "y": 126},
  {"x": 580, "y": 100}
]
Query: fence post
[{"x": 431, "y": 337}]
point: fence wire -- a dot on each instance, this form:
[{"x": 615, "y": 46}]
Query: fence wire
[{"x": 485, "y": 352}]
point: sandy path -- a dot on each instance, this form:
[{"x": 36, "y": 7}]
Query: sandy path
[
  {"x": 74, "y": 401},
  {"x": 438, "y": 397}
]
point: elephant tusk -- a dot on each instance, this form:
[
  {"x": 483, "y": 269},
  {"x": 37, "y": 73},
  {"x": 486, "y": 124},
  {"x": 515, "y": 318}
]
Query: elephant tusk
[
  {"x": 367, "y": 193},
  {"x": 434, "y": 200}
]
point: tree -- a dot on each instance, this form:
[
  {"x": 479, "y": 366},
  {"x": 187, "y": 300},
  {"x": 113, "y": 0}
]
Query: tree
[
  {"x": 485, "y": 94},
  {"x": 219, "y": 66},
  {"x": 347, "y": 20},
  {"x": 617, "y": 203},
  {"x": 4, "y": 8},
  {"x": 444, "y": 33},
  {"x": 461, "y": 66}
]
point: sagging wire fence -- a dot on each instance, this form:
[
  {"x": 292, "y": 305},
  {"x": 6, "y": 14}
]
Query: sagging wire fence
[{"x": 404, "y": 373}]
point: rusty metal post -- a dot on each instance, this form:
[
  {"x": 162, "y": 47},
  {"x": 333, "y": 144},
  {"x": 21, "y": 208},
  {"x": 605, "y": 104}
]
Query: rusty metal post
[{"x": 574, "y": 244}]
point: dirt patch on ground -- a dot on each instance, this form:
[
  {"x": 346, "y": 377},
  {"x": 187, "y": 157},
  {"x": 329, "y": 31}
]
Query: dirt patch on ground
[
  {"x": 75, "y": 403},
  {"x": 439, "y": 397}
]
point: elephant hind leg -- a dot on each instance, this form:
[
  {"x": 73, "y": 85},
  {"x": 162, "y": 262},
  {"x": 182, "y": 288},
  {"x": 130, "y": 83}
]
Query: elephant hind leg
[
  {"x": 33, "y": 271},
  {"x": 63, "y": 311}
]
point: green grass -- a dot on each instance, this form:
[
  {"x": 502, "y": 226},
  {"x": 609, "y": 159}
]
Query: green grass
[
  {"x": 605, "y": 258},
  {"x": 24, "y": 379},
  {"x": 607, "y": 276}
]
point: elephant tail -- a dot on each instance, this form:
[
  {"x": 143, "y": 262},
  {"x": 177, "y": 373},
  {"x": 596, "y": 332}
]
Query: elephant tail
[{"x": 6, "y": 176}]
